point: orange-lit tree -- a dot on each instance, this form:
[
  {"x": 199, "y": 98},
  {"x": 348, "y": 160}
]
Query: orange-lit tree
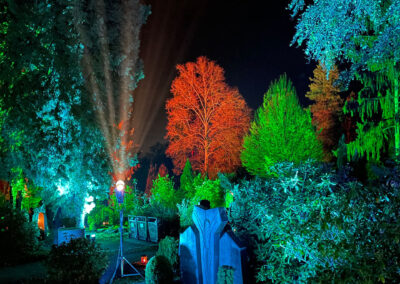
[
  {"x": 207, "y": 119},
  {"x": 326, "y": 109}
]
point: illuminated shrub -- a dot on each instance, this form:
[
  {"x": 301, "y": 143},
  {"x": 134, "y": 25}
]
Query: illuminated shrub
[
  {"x": 168, "y": 247},
  {"x": 313, "y": 225},
  {"x": 225, "y": 275},
  {"x": 163, "y": 192},
  {"x": 209, "y": 190},
  {"x": 159, "y": 271},
  {"x": 79, "y": 261}
]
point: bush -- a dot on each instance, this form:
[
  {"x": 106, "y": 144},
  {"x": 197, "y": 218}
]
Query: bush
[
  {"x": 225, "y": 274},
  {"x": 311, "y": 225},
  {"x": 185, "y": 210},
  {"x": 209, "y": 190},
  {"x": 79, "y": 261},
  {"x": 168, "y": 247},
  {"x": 159, "y": 271},
  {"x": 18, "y": 237},
  {"x": 164, "y": 193}
]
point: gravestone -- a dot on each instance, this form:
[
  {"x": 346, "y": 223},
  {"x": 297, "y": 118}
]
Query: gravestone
[{"x": 207, "y": 245}]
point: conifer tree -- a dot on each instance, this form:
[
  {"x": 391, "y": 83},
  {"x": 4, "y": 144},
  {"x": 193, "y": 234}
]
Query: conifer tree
[
  {"x": 326, "y": 108},
  {"x": 281, "y": 131},
  {"x": 186, "y": 180}
]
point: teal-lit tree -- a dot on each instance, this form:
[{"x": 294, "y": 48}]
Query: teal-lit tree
[
  {"x": 363, "y": 35},
  {"x": 44, "y": 83},
  {"x": 281, "y": 131}
]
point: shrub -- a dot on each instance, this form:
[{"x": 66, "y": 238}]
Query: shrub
[
  {"x": 168, "y": 247},
  {"x": 209, "y": 190},
  {"x": 18, "y": 237},
  {"x": 310, "y": 225},
  {"x": 80, "y": 260},
  {"x": 185, "y": 210},
  {"x": 225, "y": 274},
  {"x": 159, "y": 271},
  {"x": 164, "y": 192}
]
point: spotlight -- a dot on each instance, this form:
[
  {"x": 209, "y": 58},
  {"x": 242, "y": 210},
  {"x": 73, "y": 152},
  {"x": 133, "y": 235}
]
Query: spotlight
[{"x": 120, "y": 186}]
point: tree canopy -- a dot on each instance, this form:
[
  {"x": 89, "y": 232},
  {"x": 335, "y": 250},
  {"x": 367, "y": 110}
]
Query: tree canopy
[{"x": 207, "y": 119}]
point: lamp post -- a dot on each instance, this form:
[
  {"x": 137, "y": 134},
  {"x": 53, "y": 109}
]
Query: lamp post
[{"x": 119, "y": 192}]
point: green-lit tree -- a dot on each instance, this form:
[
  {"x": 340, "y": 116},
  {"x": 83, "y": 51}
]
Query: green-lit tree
[
  {"x": 363, "y": 35},
  {"x": 186, "y": 181},
  {"x": 281, "y": 131}
]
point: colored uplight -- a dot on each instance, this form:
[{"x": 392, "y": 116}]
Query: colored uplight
[
  {"x": 143, "y": 259},
  {"x": 120, "y": 185}
]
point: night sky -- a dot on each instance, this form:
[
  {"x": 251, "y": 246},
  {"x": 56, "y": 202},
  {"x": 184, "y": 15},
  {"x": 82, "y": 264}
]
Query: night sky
[{"x": 249, "y": 39}]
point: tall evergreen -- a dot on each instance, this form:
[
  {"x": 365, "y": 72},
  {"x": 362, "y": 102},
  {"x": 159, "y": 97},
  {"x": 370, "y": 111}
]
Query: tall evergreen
[{"x": 281, "y": 131}]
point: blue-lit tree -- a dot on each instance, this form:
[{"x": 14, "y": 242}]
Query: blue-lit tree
[{"x": 364, "y": 35}]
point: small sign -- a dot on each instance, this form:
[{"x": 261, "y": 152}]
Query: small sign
[{"x": 65, "y": 235}]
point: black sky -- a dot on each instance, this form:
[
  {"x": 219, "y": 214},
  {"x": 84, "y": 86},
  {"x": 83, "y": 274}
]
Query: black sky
[{"x": 249, "y": 39}]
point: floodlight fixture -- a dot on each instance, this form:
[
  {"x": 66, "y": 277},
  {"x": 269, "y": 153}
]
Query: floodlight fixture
[
  {"x": 120, "y": 188},
  {"x": 119, "y": 192},
  {"x": 120, "y": 185}
]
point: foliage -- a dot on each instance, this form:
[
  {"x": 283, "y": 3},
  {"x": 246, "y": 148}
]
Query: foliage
[
  {"x": 311, "y": 225},
  {"x": 158, "y": 270},
  {"x": 162, "y": 171},
  {"x": 17, "y": 184},
  {"x": 186, "y": 181},
  {"x": 210, "y": 190},
  {"x": 149, "y": 182},
  {"x": 225, "y": 274},
  {"x": 164, "y": 192},
  {"x": 185, "y": 211},
  {"x": 207, "y": 119},
  {"x": 133, "y": 205},
  {"x": 202, "y": 188},
  {"x": 79, "y": 261},
  {"x": 326, "y": 109},
  {"x": 18, "y": 237},
  {"x": 362, "y": 35},
  {"x": 376, "y": 126},
  {"x": 281, "y": 131},
  {"x": 168, "y": 247},
  {"x": 56, "y": 86},
  {"x": 51, "y": 113}
]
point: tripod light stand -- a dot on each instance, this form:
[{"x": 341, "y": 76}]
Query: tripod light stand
[{"x": 120, "y": 187}]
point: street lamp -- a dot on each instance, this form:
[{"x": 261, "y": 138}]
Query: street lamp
[{"x": 119, "y": 192}]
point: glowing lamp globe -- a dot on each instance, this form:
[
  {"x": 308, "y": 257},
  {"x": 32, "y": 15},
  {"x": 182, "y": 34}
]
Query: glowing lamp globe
[{"x": 120, "y": 186}]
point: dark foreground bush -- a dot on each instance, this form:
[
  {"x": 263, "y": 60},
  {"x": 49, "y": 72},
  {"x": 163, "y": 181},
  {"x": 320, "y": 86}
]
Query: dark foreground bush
[
  {"x": 79, "y": 261},
  {"x": 18, "y": 237},
  {"x": 159, "y": 271},
  {"x": 168, "y": 247}
]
